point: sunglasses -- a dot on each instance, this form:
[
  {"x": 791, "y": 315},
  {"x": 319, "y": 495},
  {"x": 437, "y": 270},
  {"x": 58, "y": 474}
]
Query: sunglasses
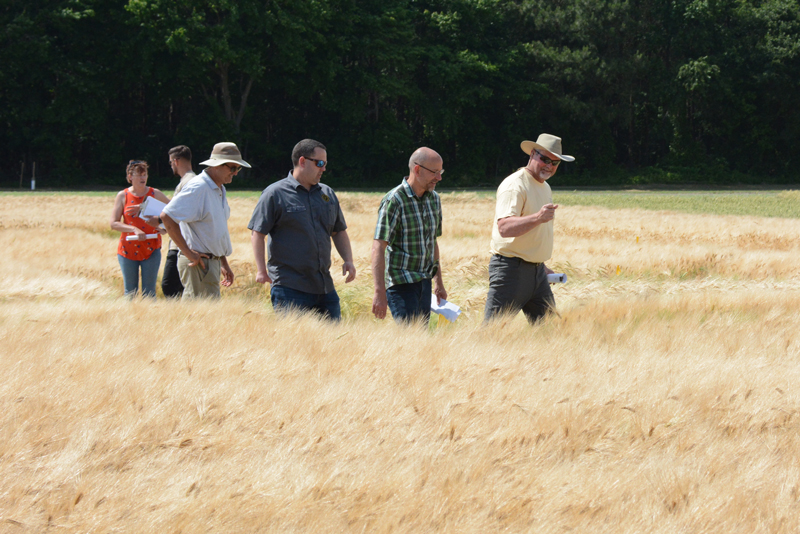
[
  {"x": 234, "y": 169},
  {"x": 546, "y": 160},
  {"x": 318, "y": 162},
  {"x": 441, "y": 172}
]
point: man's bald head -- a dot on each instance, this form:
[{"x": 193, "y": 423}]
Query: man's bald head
[{"x": 424, "y": 156}]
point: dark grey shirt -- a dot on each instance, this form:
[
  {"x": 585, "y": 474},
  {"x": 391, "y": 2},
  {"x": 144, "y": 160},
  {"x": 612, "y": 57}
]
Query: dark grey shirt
[{"x": 299, "y": 224}]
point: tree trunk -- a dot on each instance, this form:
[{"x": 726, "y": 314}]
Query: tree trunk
[{"x": 227, "y": 103}]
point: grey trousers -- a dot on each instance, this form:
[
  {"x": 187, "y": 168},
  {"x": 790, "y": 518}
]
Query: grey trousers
[{"x": 515, "y": 285}]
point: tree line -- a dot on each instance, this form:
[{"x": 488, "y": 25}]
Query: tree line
[{"x": 705, "y": 89}]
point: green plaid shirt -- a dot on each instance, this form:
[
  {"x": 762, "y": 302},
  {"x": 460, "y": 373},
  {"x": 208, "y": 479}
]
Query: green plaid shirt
[{"x": 410, "y": 225}]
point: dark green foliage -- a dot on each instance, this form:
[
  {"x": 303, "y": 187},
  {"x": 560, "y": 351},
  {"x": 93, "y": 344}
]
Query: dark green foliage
[{"x": 642, "y": 91}]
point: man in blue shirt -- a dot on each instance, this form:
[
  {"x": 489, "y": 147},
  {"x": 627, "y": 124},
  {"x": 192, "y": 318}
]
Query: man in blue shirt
[{"x": 301, "y": 216}]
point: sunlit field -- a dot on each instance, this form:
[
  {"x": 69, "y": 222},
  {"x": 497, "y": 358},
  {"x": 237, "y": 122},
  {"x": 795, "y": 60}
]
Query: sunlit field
[{"x": 662, "y": 397}]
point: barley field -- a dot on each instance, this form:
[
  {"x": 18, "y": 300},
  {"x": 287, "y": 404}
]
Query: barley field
[{"x": 663, "y": 396}]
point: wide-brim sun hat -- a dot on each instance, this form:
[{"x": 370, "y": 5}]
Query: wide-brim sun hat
[
  {"x": 547, "y": 142},
  {"x": 225, "y": 153}
]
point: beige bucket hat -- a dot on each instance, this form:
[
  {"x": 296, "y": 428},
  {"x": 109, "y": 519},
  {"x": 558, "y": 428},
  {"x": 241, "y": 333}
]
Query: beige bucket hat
[
  {"x": 547, "y": 142},
  {"x": 225, "y": 153}
]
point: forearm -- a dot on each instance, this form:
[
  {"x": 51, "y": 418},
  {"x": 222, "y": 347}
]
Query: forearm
[
  {"x": 174, "y": 231},
  {"x": 342, "y": 243},
  {"x": 259, "y": 250},
  {"x": 122, "y": 227},
  {"x": 438, "y": 276},
  {"x": 517, "y": 226},
  {"x": 379, "y": 266}
]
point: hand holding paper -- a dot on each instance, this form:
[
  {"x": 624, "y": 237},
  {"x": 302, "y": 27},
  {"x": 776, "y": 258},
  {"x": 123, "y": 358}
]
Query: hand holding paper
[
  {"x": 446, "y": 309},
  {"x": 151, "y": 207},
  {"x": 132, "y": 210},
  {"x": 135, "y": 237}
]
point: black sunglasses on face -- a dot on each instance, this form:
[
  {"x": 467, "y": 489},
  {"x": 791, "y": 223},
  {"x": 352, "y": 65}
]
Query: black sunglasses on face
[
  {"x": 234, "y": 169},
  {"x": 546, "y": 160},
  {"x": 318, "y": 162}
]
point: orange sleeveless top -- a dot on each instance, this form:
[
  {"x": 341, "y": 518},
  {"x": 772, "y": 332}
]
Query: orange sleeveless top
[{"x": 137, "y": 250}]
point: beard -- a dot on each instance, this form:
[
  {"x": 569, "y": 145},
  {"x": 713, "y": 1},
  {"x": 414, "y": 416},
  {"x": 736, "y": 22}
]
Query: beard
[{"x": 544, "y": 175}]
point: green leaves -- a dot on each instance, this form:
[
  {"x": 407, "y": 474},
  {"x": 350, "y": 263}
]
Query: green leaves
[{"x": 85, "y": 84}]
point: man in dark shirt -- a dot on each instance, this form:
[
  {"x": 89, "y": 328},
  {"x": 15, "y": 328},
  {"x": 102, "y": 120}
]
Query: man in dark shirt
[{"x": 301, "y": 217}]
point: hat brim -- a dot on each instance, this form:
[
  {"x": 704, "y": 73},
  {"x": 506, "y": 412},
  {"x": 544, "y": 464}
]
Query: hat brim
[
  {"x": 217, "y": 162},
  {"x": 528, "y": 146}
]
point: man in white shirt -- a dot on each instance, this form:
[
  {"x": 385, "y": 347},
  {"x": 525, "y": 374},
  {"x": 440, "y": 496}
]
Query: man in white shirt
[{"x": 197, "y": 222}]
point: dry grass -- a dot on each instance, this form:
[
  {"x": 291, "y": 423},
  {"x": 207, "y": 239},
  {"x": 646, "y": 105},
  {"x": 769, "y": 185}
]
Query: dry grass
[{"x": 659, "y": 400}]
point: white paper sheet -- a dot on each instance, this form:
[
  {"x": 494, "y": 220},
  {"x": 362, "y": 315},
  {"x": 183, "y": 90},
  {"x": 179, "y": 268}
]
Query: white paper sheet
[
  {"x": 134, "y": 238},
  {"x": 446, "y": 309},
  {"x": 151, "y": 207}
]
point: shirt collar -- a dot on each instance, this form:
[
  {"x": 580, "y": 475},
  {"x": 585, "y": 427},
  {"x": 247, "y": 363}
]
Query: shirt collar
[
  {"x": 207, "y": 179},
  {"x": 410, "y": 190},
  {"x": 295, "y": 184}
]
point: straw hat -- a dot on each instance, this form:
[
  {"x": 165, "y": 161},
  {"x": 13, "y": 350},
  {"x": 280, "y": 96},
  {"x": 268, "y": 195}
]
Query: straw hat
[
  {"x": 547, "y": 142},
  {"x": 225, "y": 153}
]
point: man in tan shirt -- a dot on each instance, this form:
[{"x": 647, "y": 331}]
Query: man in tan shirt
[
  {"x": 180, "y": 161},
  {"x": 522, "y": 234}
]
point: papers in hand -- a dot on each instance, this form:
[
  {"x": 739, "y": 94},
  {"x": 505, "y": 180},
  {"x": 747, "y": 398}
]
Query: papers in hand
[
  {"x": 446, "y": 309},
  {"x": 151, "y": 207},
  {"x": 134, "y": 238},
  {"x": 557, "y": 278}
]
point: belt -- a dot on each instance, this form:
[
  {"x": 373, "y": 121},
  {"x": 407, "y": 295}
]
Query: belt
[
  {"x": 500, "y": 256},
  {"x": 209, "y": 255}
]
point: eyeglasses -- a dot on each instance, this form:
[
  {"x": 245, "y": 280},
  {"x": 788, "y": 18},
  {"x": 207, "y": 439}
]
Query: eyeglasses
[
  {"x": 235, "y": 169},
  {"x": 546, "y": 160},
  {"x": 318, "y": 162},
  {"x": 441, "y": 172}
]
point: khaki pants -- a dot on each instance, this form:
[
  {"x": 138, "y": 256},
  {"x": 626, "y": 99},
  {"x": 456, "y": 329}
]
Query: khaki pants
[{"x": 198, "y": 282}]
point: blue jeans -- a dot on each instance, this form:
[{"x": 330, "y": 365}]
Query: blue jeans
[
  {"x": 285, "y": 299},
  {"x": 130, "y": 274},
  {"x": 410, "y": 302}
]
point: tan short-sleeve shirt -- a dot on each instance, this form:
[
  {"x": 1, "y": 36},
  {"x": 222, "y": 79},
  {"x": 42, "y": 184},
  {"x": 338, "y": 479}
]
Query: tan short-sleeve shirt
[{"x": 519, "y": 195}]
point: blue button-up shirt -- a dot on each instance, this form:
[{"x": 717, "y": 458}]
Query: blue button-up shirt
[{"x": 299, "y": 224}]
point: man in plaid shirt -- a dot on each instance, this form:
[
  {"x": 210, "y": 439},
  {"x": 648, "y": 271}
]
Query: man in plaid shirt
[{"x": 405, "y": 254}]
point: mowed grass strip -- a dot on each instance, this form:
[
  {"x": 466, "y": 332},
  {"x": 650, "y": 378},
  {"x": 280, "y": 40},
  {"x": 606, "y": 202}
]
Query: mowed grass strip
[{"x": 784, "y": 204}]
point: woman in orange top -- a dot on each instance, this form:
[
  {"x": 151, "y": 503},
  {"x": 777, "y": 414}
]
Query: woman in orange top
[{"x": 143, "y": 251}]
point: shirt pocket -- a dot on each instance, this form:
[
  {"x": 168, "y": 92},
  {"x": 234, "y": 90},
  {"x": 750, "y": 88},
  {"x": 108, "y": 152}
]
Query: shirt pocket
[
  {"x": 327, "y": 216},
  {"x": 295, "y": 208},
  {"x": 296, "y": 215}
]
